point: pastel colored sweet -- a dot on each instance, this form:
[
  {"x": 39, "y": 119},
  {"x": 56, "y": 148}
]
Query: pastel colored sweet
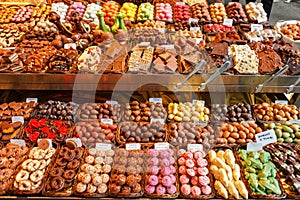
[
  {"x": 150, "y": 189},
  {"x": 153, "y": 153},
  {"x": 163, "y": 154},
  {"x": 206, "y": 189},
  {"x": 153, "y": 170},
  {"x": 171, "y": 189},
  {"x": 184, "y": 179},
  {"x": 204, "y": 180},
  {"x": 165, "y": 171},
  {"x": 182, "y": 170},
  {"x": 189, "y": 163},
  {"x": 202, "y": 171},
  {"x": 188, "y": 155},
  {"x": 153, "y": 161},
  {"x": 160, "y": 189},
  {"x": 164, "y": 162},
  {"x": 171, "y": 152},
  {"x": 196, "y": 191},
  {"x": 166, "y": 181},
  {"x": 191, "y": 172},
  {"x": 199, "y": 154},
  {"x": 181, "y": 152},
  {"x": 171, "y": 160},
  {"x": 173, "y": 178},
  {"x": 201, "y": 162},
  {"x": 181, "y": 161},
  {"x": 195, "y": 180},
  {"x": 152, "y": 180},
  {"x": 172, "y": 169},
  {"x": 185, "y": 189}
]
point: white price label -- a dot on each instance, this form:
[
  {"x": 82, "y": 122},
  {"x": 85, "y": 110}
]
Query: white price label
[
  {"x": 70, "y": 46},
  {"x": 253, "y": 146},
  {"x": 193, "y": 20},
  {"x": 180, "y": 3},
  {"x": 107, "y": 121},
  {"x": 161, "y": 30},
  {"x": 103, "y": 146},
  {"x": 196, "y": 101},
  {"x": 195, "y": 28},
  {"x": 295, "y": 121},
  {"x": 17, "y": 119},
  {"x": 49, "y": 140},
  {"x": 201, "y": 123},
  {"x": 144, "y": 44},
  {"x": 160, "y": 22},
  {"x": 76, "y": 140},
  {"x": 171, "y": 46},
  {"x": 198, "y": 40},
  {"x": 161, "y": 146},
  {"x": 18, "y": 142},
  {"x": 228, "y": 22},
  {"x": 111, "y": 102},
  {"x": 266, "y": 137},
  {"x": 256, "y": 27},
  {"x": 162, "y": 121},
  {"x": 133, "y": 146},
  {"x": 195, "y": 147},
  {"x": 284, "y": 102},
  {"x": 218, "y": 4},
  {"x": 28, "y": 100},
  {"x": 155, "y": 100},
  {"x": 260, "y": 20}
]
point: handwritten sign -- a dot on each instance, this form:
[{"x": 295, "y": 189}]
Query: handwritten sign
[
  {"x": 195, "y": 147},
  {"x": 253, "y": 146},
  {"x": 161, "y": 146},
  {"x": 28, "y": 100},
  {"x": 107, "y": 121},
  {"x": 133, "y": 146},
  {"x": 227, "y": 22},
  {"x": 266, "y": 137},
  {"x": 103, "y": 146},
  {"x": 17, "y": 119},
  {"x": 155, "y": 100}
]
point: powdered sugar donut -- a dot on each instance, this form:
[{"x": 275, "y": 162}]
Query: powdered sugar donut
[
  {"x": 185, "y": 189},
  {"x": 196, "y": 191},
  {"x": 206, "y": 189},
  {"x": 191, "y": 172},
  {"x": 189, "y": 163},
  {"x": 184, "y": 179},
  {"x": 182, "y": 170},
  {"x": 202, "y": 171},
  {"x": 204, "y": 180},
  {"x": 201, "y": 162},
  {"x": 181, "y": 161}
]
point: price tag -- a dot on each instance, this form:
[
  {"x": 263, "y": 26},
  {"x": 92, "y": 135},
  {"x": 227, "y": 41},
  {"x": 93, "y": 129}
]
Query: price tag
[
  {"x": 295, "y": 121},
  {"x": 161, "y": 30},
  {"x": 160, "y": 22},
  {"x": 198, "y": 40},
  {"x": 162, "y": 121},
  {"x": 133, "y": 146},
  {"x": 227, "y": 22},
  {"x": 266, "y": 137},
  {"x": 218, "y": 4},
  {"x": 180, "y": 3},
  {"x": 196, "y": 101},
  {"x": 70, "y": 46},
  {"x": 76, "y": 140},
  {"x": 195, "y": 28},
  {"x": 161, "y": 146},
  {"x": 18, "y": 142},
  {"x": 28, "y": 100},
  {"x": 17, "y": 119},
  {"x": 49, "y": 140},
  {"x": 171, "y": 46},
  {"x": 193, "y": 20},
  {"x": 144, "y": 44},
  {"x": 201, "y": 123},
  {"x": 195, "y": 147},
  {"x": 284, "y": 102},
  {"x": 155, "y": 100},
  {"x": 111, "y": 102},
  {"x": 253, "y": 146},
  {"x": 257, "y": 27},
  {"x": 103, "y": 146},
  {"x": 260, "y": 20},
  {"x": 107, "y": 121}
]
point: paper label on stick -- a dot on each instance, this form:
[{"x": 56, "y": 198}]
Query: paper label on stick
[
  {"x": 133, "y": 146},
  {"x": 111, "y": 102},
  {"x": 171, "y": 46},
  {"x": 28, "y": 100},
  {"x": 70, "y": 46},
  {"x": 161, "y": 146},
  {"x": 17, "y": 119},
  {"x": 195, "y": 28},
  {"x": 49, "y": 140},
  {"x": 196, "y": 101},
  {"x": 180, "y": 3},
  {"x": 266, "y": 137},
  {"x": 283, "y": 102},
  {"x": 256, "y": 27},
  {"x": 103, "y": 146},
  {"x": 253, "y": 146},
  {"x": 107, "y": 121},
  {"x": 18, "y": 142},
  {"x": 195, "y": 147},
  {"x": 162, "y": 121},
  {"x": 295, "y": 121},
  {"x": 193, "y": 20},
  {"x": 160, "y": 22},
  {"x": 228, "y": 22},
  {"x": 155, "y": 100},
  {"x": 161, "y": 30},
  {"x": 76, "y": 140}
]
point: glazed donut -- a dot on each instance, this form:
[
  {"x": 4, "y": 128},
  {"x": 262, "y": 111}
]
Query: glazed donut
[
  {"x": 105, "y": 178},
  {"x": 39, "y": 154},
  {"x": 61, "y": 162},
  {"x": 91, "y": 188},
  {"x": 86, "y": 179},
  {"x": 98, "y": 168},
  {"x": 106, "y": 169},
  {"x": 78, "y": 153},
  {"x": 57, "y": 183},
  {"x": 92, "y": 151},
  {"x": 99, "y": 160},
  {"x": 90, "y": 169},
  {"x": 36, "y": 176},
  {"x": 69, "y": 174},
  {"x": 80, "y": 187},
  {"x": 32, "y": 152},
  {"x": 108, "y": 160},
  {"x": 80, "y": 176},
  {"x": 89, "y": 159},
  {"x": 3, "y": 162},
  {"x": 43, "y": 144},
  {"x": 69, "y": 155},
  {"x": 63, "y": 151},
  {"x": 102, "y": 188},
  {"x": 74, "y": 164},
  {"x": 100, "y": 153},
  {"x": 84, "y": 166},
  {"x": 25, "y": 185},
  {"x": 43, "y": 164},
  {"x": 35, "y": 185},
  {"x": 97, "y": 180},
  {"x": 109, "y": 153},
  {"x": 56, "y": 172},
  {"x": 49, "y": 153},
  {"x": 22, "y": 175}
]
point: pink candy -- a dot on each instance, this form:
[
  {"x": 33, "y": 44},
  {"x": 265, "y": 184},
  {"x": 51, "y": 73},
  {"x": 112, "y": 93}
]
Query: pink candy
[
  {"x": 153, "y": 170},
  {"x": 182, "y": 170},
  {"x": 152, "y": 180},
  {"x": 185, "y": 189},
  {"x": 165, "y": 171},
  {"x": 195, "y": 191},
  {"x": 184, "y": 179},
  {"x": 166, "y": 181},
  {"x": 189, "y": 163},
  {"x": 163, "y": 12},
  {"x": 149, "y": 189},
  {"x": 206, "y": 189},
  {"x": 160, "y": 189},
  {"x": 171, "y": 189}
]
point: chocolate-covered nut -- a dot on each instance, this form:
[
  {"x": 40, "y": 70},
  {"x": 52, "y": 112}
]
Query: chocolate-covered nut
[{"x": 239, "y": 112}]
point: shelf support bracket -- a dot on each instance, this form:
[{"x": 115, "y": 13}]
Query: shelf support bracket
[{"x": 292, "y": 87}]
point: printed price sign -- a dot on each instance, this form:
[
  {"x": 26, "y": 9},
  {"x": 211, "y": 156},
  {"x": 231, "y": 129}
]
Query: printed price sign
[
  {"x": 195, "y": 28},
  {"x": 196, "y": 101},
  {"x": 227, "y": 22},
  {"x": 161, "y": 30},
  {"x": 49, "y": 140},
  {"x": 266, "y": 137},
  {"x": 133, "y": 146},
  {"x": 295, "y": 121},
  {"x": 155, "y": 100},
  {"x": 70, "y": 46},
  {"x": 17, "y": 119},
  {"x": 193, "y": 20},
  {"x": 171, "y": 46},
  {"x": 195, "y": 147},
  {"x": 144, "y": 44},
  {"x": 111, "y": 102},
  {"x": 284, "y": 102},
  {"x": 103, "y": 146},
  {"x": 253, "y": 146},
  {"x": 28, "y": 100},
  {"x": 107, "y": 121},
  {"x": 162, "y": 121},
  {"x": 180, "y": 3},
  {"x": 18, "y": 142},
  {"x": 76, "y": 140},
  {"x": 160, "y": 22},
  {"x": 161, "y": 146},
  {"x": 256, "y": 27}
]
